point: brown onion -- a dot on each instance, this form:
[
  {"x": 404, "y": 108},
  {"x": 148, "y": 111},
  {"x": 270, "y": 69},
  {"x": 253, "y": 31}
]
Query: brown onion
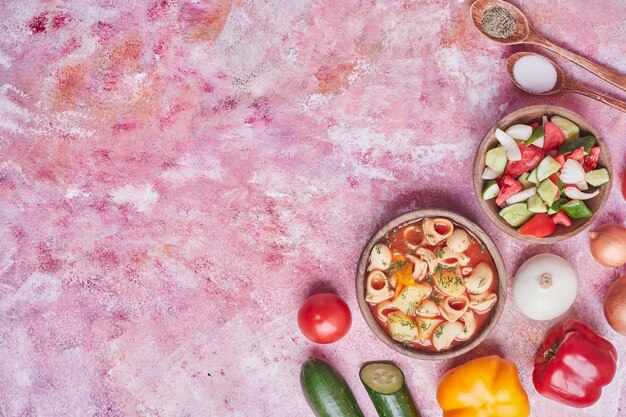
[
  {"x": 615, "y": 305},
  {"x": 608, "y": 244}
]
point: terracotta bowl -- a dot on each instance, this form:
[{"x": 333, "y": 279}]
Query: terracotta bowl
[
  {"x": 361, "y": 276},
  {"x": 528, "y": 115}
]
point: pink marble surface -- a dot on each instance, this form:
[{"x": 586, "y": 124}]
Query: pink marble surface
[{"x": 177, "y": 176}]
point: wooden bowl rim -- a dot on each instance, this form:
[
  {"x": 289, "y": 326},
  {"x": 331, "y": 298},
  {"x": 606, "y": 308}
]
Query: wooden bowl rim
[
  {"x": 361, "y": 276},
  {"x": 488, "y": 141}
]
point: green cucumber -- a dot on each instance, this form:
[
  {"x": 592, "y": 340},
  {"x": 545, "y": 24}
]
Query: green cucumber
[
  {"x": 536, "y": 204},
  {"x": 532, "y": 177},
  {"x": 326, "y": 392},
  {"x": 556, "y": 206},
  {"x": 597, "y": 177},
  {"x": 547, "y": 167},
  {"x": 516, "y": 214},
  {"x": 548, "y": 191},
  {"x": 523, "y": 179},
  {"x": 586, "y": 142},
  {"x": 537, "y": 134},
  {"x": 496, "y": 159},
  {"x": 384, "y": 382},
  {"x": 491, "y": 190},
  {"x": 576, "y": 209},
  {"x": 570, "y": 129}
]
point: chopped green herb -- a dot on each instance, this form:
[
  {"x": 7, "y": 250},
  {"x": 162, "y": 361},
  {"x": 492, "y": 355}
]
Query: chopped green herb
[{"x": 439, "y": 331}]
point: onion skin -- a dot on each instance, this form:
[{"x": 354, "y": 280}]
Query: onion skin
[
  {"x": 608, "y": 244},
  {"x": 615, "y": 305}
]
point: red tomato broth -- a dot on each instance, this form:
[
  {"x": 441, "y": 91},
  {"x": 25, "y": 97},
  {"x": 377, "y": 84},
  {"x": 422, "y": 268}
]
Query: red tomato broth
[{"x": 477, "y": 253}]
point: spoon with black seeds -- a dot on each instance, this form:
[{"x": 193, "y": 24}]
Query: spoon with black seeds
[{"x": 504, "y": 23}]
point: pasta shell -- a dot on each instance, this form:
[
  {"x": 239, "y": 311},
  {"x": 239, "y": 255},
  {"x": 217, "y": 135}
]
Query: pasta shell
[
  {"x": 458, "y": 241},
  {"x": 431, "y": 234},
  {"x": 381, "y": 307},
  {"x": 405, "y": 235},
  {"x": 429, "y": 257},
  {"x": 377, "y": 288},
  {"x": 419, "y": 268},
  {"x": 452, "y": 308},
  {"x": 469, "y": 320},
  {"x": 479, "y": 281},
  {"x": 482, "y": 303},
  {"x": 426, "y": 327},
  {"x": 380, "y": 258},
  {"x": 428, "y": 308},
  {"x": 448, "y": 258},
  {"x": 445, "y": 333}
]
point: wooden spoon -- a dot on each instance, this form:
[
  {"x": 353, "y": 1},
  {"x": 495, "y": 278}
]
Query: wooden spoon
[
  {"x": 524, "y": 33},
  {"x": 563, "y": 84}
]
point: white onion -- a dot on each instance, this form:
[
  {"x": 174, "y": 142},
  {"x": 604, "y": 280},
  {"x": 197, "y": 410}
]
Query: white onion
[
  {"x": 539, "y": 142},
  {"x": 520, "y": 132},
  {"x": 545, "y": 286},
  {"x": 575, "y": 194},
  {"x": 572, "y": 172},
  {"x": 510, "y": 146},
  {"x": 522, "y": 196},
  {"x": 490, "y": 174}
]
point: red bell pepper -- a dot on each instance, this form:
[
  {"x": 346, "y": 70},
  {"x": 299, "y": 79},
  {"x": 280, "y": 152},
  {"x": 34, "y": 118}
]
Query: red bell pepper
[
  {"x": 590, "y": 161},
  {"x": 541, "y": 225},
  {"x": 561, "y": 218},
  {"x": 531, "y": 156},
  {"x": 554, "y": 137},
  {"x": 508, "y": 186},
  {"x": 574, "y": 364}
]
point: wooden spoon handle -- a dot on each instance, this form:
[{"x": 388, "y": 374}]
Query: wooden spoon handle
[
  {"x": 579, "y": 89},
  {"x": 612, "y": 76}
]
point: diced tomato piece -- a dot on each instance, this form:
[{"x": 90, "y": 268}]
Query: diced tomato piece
[
  {"x": 541, "y": 225},
  {"x": 554, "y": 178},
  {"x": 510, "y": 186},
  {"x": 591, "y": 161},
  {"x": 560, "y": 159},
  {"x": 561, "y": 218},
  {"x": 577, "y": 155},
  {"x": 531, "y": 156},
  {"x": 552, "y": 153},
  {"x": 554, "y": 137},
  {"x": 534, "y": 125}
]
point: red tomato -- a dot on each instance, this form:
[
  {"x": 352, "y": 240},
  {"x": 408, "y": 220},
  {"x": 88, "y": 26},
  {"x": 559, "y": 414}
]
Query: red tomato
[
  {"x": 554, "y": 137},
  {"x": 561, "y": 218},
  {"x": 560, "y": 159},
  {"x": 534, "y": 125},
  {"x": 508, "y": 186},
  {"x": 541, "y": 225},
  {"x": 577, "y": 155},
  {"x": 324, "y": 318},
  {"x": 590, "y": 161},
  {"x": 531, "y": 156}
]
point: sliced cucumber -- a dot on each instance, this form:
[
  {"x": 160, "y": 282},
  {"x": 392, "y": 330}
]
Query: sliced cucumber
[
  {"x": 536, "y": 204},
  {"x": 491, "y": 190},
  {"x": 384, "y": 383},
  {"x": 548, "y": 191},
  {"x": 556, "y": 206},
  {"x": 570, "y": 129},
  {"x": 496, "y": 159},
  {"x": 597, "y": 177},
  {"x": 537, "y": 134},
  {"x": 576, "y": 209},
  {"x": 326, "y": 392},
  {"x": 523, "y": 179},
  {"x": 532, "y": 177},
  {"x": 516, "y": 214},
  {"x": 586, "y": 142},
  {"x": 547, "y": 167}
]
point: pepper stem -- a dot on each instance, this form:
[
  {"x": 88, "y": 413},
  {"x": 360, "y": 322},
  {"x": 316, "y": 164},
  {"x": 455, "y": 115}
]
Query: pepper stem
[
  {"x": 551, "y": 353},
  {"x": 545, "y": 280}
]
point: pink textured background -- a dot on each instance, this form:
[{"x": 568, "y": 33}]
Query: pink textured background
[{"x": 177, "y": 176}]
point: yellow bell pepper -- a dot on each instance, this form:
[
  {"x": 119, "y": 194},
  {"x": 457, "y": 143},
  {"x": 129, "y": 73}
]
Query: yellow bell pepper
[{"x": 483, "y": 387}]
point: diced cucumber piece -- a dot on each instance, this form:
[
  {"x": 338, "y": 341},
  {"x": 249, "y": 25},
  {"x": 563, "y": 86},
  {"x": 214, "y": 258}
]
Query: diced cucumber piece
[
  {"x": 537, "y": 134},
  {"x": 516, "y": 214},
  {"x": 523, "y": 179},
  {"x": 496, "y": 159},
  {"x": 556, "y": 206},
  {"x": 548, "y": 191},
  {"x": 491, "y": 190},
  {"x": 532, "y": 177},
  {"x": 536, "y": 204},
  {"x": 547, "y": 167},
  {"x": 576, "y": 209},
  {"x": 597, "y": 177},
  {"x": 586, "y": 142},
  {"x": 569, "y": 128}
]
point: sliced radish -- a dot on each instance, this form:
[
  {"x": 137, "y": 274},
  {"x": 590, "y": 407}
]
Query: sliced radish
[
  {"x": 510, "y": 146},
  {"x": 490, "y": 174},
  {"x": 575, "y": 194},
  {"x": 539, "y": 142},
  {"x": 573, "y": 172},
  {"x": 522, "y": 196},
  {"x": 520, "y": 132},
  {"x": 582, "y": 186}
]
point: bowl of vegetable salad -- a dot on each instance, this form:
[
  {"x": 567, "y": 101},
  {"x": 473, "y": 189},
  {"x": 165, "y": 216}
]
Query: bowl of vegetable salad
[{"x": 542, "y": 173}]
